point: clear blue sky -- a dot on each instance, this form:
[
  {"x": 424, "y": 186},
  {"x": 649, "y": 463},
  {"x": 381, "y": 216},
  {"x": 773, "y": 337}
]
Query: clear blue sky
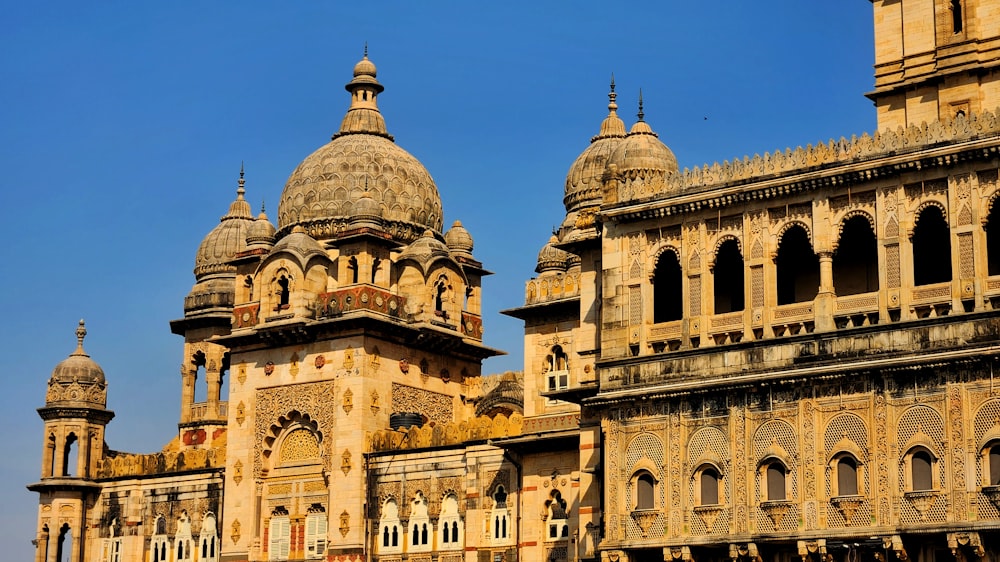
[{"x": 123, "y": 125}]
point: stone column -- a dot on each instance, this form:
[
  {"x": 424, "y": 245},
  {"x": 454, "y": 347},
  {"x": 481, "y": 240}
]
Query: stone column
[
  {"x": 48, "y": 453},
  {"x": 188, "y": 376},
  {"x": 825, "y": 297},
  {"x": 41, "y": 546}
]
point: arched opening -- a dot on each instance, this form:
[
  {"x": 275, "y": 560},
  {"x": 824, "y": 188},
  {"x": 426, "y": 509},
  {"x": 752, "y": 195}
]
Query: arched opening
[
  {"x": 71, "y": 453},
  {"x": 709, "y": 483},
  {"x": 375, "y": 264},
  {"x": 283, "y": 291},
  {"x": 728, "y": 277},
  {"x": 994, "y": 460},
  {"x": 775, "y": 481},
  {"x": 200, "y": 384},
  {"x": 500, "y": 514},
  {"x": 921, "y": 471},
  {"x": 847, "y": 476},
  {"x": 993, "y": 239},
  {"x": 224, "y": 379},
  {"x": 64, "y": 545},
  {"x": 352, "y": 264},
  {"x": 668, "y": 304},
  {"x": 855, "y": 263},
  {"x": 645, "y": 489},
  {"x": 797, "y": 267},
  {"x": 558, "y": 518},
  {"x": 956, "y": 16},
  {"x": 52, "y": 467},
  {"x": 390, "y": 526},
  {"x": 931, "y": 248},
  {"x": 449, "y": 521},
  {"x": 440, "y": 292}
]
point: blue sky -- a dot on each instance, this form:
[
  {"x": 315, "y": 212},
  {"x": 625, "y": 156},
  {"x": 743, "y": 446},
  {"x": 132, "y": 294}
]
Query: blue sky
[{"x": 123, "y": 125}]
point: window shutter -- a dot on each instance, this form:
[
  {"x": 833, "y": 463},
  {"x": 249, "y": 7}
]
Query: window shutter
[{"x": 320, "y": 535}]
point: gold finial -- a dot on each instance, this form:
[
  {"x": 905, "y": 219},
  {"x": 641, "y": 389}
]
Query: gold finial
[
  {"x": 240, "y": 190},
  {"x": 641, "y": 114},
  {"x": 81, "y": 332}
]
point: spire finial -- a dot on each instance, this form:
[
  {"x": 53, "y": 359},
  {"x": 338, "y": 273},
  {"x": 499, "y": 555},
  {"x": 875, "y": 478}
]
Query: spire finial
[
  {"x": 612, "y": 96},
  {"x": 81, "y": 332},
  {"x": 240, "y": 190},
  {"x": 262, "y": 205},
  {"x": 641, "y": 114},
  {"x": 366, "y": 49}
]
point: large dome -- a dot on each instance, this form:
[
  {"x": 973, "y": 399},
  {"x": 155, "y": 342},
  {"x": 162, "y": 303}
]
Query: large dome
[
  {"x": 583, "y": 181},
  {"x": 360, "y": 161}
]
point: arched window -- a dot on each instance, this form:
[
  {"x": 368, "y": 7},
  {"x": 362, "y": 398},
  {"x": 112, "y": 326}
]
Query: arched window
[
  {"x": 158, "y": 544},
  {"x": 280, "y": 534},
  {"x": 668, "y": 303},
  {"x": 847, "y": 476},
  {"x": 352, "y": 264},
  {"x": 283, "y": 291},
  {"x": 708, "y": 484},
  {"x": 70, "y": 454},
  {"x": 921, "y": 470},
  {"x": 557, "y": 377},
  {"x": 855, "y": 263},
  {"x": 499, "y": 517},
  {"x": 558, "y": 519},
  {"x": 645, "y": 491},
  {"x": 419, "y": 524},
  {"x": 728, "y": 278},
  {"x": 993, "y": 239},
  {"x": 316, "y": 524},
  {"x": 956, "y": 16},
  {"x": 112, "y": 545},
  {"x": 775, "y": 474},
  {"x": 994, "y": 462},
  {"x": 449, "y": 524},
  {"x": 797, "y": 267},
  {"x": 931, "y": 248},
  {"x": 209, "y": 538},
  {"x": 375, "y": 263},
  {"x": 390, "y": 526},
  {"x": 440, "y": 295},
  {"x": 183, "y": 540}
]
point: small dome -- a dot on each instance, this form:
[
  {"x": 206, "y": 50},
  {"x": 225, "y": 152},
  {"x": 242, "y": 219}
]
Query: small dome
[
  {"x": 425, "y": 249},
  {"x": 323, "y": 192},
  {"x": 227, "y": 239},
  {"x": 551, "y": 258},
  {"x": 297, "y": 241},
  {"x": 458, "y": 239},
  {"x": 261, "y": 231},
  {"x": 78, "y": 367},
  {"x": 643, "y": 161},
  {"x": 583, "y": 181}
]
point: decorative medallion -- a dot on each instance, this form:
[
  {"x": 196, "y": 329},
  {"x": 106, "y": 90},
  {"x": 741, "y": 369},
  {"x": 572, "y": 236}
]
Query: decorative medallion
[
  {"x": 348, "y": 401},
  {"x": 404, "y": 366},
  {"x": 236, "y": 531},
  {"x": 320, "y": 361},
  {"x": 364, "y": 297},
  {"x": 345, "y": 462},
  {"x": 241, "y": 413},
  {"x": 345, "y": 523},
  {"x": 293, "y": 369},
  {"x": 379, "y": 301},
  {"x": 349, "y": 358},
  {"x": 238, "y": 472},
  {"x": 241, "y": 373},
  {"x": 269, "y": 368},
  {"x": 374, "y": 402}
]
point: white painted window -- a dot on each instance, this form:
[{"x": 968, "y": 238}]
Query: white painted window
[
  {"x": 279, "y": 535},
  {"x": 316, "y": 524},
  {"x": 450, "y": 528},
  {"x": 209, "y": 540},
  {"x": 390, "y": 529}
]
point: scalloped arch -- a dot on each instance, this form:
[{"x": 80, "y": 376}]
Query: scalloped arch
[
  {"x": 919, "y": 212},
  {"x": 722, "y": 240}
]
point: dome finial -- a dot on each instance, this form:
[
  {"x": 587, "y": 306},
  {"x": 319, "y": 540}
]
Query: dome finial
[
  {"x": 641, "y": 114},
  {"x": 366, "y": 49},
  {"x": 81, "y": 332},
  {"x": 240, "y": 190},
  {"x": 262, "y": 210},
  {"x": 612, "y": 96}
]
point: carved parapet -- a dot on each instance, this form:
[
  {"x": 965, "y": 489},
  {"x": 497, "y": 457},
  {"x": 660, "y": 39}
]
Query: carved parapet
[
  {"x": 446, "y": 434},
  {"x": 124, "y": 464}
]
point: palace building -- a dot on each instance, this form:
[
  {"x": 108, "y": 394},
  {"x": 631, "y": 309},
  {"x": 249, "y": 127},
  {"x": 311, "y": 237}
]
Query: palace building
[{"x": 785, "y": 357}]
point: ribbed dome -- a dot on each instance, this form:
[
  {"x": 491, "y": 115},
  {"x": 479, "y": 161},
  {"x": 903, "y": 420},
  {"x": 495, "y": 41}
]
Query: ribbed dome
[
  {"x": 362, "y": 158},
  {"x": 643, "y": 160},
  {"x": 261, "y": 231},
  {"x": 227, "y": 239},
  {"x": 458, "y": 239},
  {"x": 78, "y": 367},
  {"x": 551, "y": 258},
  {"x": 299, "y": 242},
  {"x": 424, "y": 249},
  {"x": 583, "y": 181}
]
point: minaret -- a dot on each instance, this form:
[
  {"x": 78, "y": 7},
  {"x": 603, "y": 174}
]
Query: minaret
[{"x": 72, "y": 446}]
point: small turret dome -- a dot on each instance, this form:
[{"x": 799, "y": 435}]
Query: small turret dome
[
  {"x": 458, "y": 239},
  {"x": 227, "y": 239},
  {"x": 583, "y": 181},
  {"x": 643, "y": 162},
  {"x": 261, "y": 232},
  {"x": 78, "y": 380},
  {"x": 551, "y": 258}
]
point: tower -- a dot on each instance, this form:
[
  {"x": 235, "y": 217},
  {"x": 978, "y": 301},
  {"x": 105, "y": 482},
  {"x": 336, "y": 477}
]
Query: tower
[
  {"x": 935, "y": 59},
  {"x": 75, "y": 417}
]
